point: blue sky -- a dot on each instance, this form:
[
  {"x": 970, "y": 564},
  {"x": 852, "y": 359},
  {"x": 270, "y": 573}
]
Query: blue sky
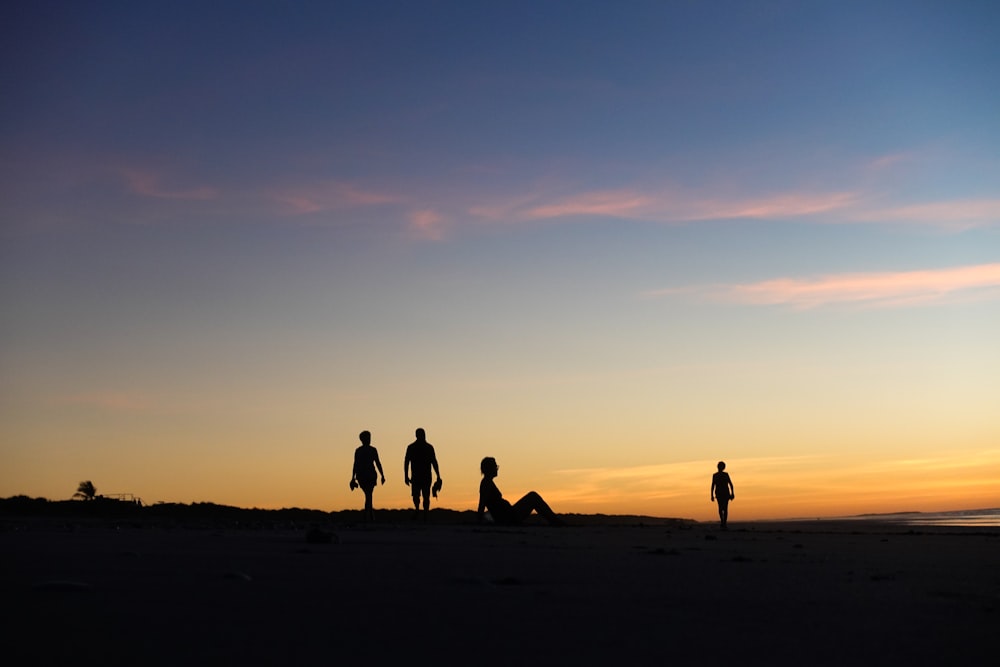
[{"x": 743, "y": 230}]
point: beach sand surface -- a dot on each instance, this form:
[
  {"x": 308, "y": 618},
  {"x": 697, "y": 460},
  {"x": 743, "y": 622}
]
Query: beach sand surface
[{"x": 816, "y": 592}]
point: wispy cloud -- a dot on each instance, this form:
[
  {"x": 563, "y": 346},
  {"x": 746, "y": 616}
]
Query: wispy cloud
[
  {"x": 869, "y": 194},
  {"x": 327, "y": 197},
  {"x": 957, "y": 214},
  {"x": 620, "y": 203},
  {"x": 665, "y": 206},
  {"x": 678, "y": 481},
  {"x": 849, "y": 206},
  {"x": 881, "y": 289},
  {"x": 434, "y": 212},
  {"x": 787, "y": 486},
  {"x": 866, "y": 197},
  {"x": 885, "y": 162},
  {"x": 149, "y": 184},
  {"x": 427, "y": 224}
]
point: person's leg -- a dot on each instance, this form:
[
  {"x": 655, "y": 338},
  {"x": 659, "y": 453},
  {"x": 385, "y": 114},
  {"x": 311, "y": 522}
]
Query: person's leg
[
  {"x": 426, "y": 492},
  {"x": 532, "y": 502},
  {"x": 369, "y": 505}
]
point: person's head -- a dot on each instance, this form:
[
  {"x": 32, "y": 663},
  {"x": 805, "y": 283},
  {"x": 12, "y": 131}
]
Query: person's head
[
  {"x": 489, "y": 467},
  {"x": 722, "y": 466},
  {"x": 365, "y": 437},
  {"x": 421, "y": 436}
]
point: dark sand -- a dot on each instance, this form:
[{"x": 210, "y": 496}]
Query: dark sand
[{"x": 827, "y": 593}]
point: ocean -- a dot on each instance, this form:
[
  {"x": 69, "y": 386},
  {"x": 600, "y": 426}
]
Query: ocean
[{"x": 973, "y": 518}]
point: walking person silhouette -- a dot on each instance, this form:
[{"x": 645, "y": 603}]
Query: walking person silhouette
[
  {"x": 417, "y": 465},
  {"x": 502, "y": 511},
  {"x": 722, "y": 490},
  {"x": 366, "y": 462}
]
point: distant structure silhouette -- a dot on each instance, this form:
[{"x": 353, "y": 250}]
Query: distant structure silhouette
[
  {"x": 722, "y": 491},
  {"x": 502, "y": 511},
  {"x": 417, "y": 465},
  {"x": 366, "y": 462}
]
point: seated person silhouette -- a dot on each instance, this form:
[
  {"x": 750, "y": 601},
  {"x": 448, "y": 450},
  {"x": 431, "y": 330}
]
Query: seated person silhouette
[{"x": 502, "y": 511}]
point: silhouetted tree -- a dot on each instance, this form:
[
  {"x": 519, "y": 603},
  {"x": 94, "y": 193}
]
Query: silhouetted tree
[{"x": 86, "y": 491}]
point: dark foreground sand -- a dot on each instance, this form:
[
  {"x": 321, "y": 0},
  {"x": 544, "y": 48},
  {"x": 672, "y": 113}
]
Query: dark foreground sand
[{"x": 810, "y": 593}]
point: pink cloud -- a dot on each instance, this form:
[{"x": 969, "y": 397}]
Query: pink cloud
[
  {"x": 619, "y": 204},
  {"x": 775, "y": 206},
  {"x": 632, "y": 204},
  {"x": 884, "y": 289},
  {"x": 671, "y": 206},
  {"x": 427, "y": 224},
  {"x": 887, "y": 161},
  {"x": 147, "y": 184},
  {"x": 328, "y": 196},
  {"x": 956, "y": 214}
]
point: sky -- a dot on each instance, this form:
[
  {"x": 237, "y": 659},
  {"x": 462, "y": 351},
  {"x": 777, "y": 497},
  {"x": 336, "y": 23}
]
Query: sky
[{"x": 608, "y": 244}]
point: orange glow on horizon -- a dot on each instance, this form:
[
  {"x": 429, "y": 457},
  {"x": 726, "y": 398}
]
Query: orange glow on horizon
[{"x": 766, "y": 488}]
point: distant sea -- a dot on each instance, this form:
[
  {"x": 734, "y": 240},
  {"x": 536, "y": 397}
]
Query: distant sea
[{"x": 985, "y": 517}]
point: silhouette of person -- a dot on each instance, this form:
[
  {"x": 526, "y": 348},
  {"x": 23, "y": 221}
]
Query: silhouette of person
[
  {"x": 722, "y": 490},
  {"x": 502, "y": 511},
  {"x": 417, "y": 465},
  {"x": 365, "y": 462}
]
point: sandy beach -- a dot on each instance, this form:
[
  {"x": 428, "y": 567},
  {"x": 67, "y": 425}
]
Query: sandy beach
[{"x": 818, "y": 592}]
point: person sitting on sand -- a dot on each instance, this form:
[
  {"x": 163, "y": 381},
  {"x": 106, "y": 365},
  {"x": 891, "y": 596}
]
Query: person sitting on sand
[
  {"x": 722, "y": 490},
  {"x": 502, "y": 511},
  {"x": 417, "y": 465},
  {"x": 365, "y": 462}
]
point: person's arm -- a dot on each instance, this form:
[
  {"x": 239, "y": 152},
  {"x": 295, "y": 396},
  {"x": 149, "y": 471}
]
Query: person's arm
[
  {"x": 354, "y": 474},
  {"x": 732, "y": 490},
  {"x": 712, "y": 490},
  {"x": 406, "y": 467},
  {"x": 482, "y": 500},
  {"x": 378, "y": 464},
  {"x": 437, "y": 471}
]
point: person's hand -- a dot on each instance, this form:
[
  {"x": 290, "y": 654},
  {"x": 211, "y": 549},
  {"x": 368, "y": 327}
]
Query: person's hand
[
  {"x": 354, "y": 485},
  {"x": 732, "y": 497},
  {"x": 407, "y": 480},
  {"x": 713, "y": 499},
  {"x": 383, "y": 479}
]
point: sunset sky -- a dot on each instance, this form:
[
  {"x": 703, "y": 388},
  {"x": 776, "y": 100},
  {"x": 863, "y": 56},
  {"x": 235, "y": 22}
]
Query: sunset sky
[{"x": 609, "y": 244}]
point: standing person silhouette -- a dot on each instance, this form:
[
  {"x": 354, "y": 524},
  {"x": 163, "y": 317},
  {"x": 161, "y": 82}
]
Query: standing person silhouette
[
  {"x": 417, "y": 465},
  {"x": 722, "y": 490},
  {"x": 365, "y": 462},
  {"x": 502, "y": 511}
]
